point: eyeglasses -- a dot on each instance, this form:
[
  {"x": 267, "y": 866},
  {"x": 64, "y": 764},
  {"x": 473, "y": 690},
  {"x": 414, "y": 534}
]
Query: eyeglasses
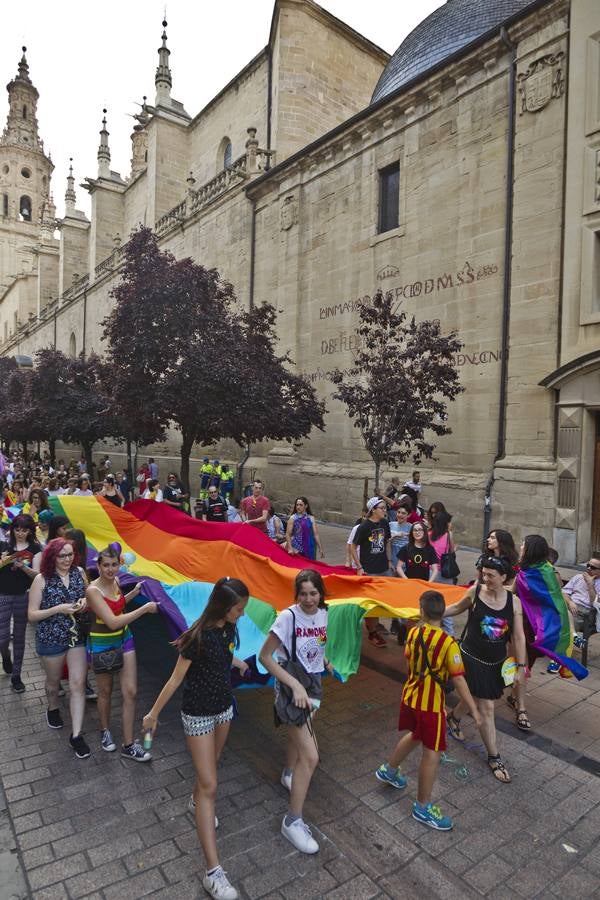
[
  {"x": 592, "y": 568},
  {"x": 65, "y": 555}
]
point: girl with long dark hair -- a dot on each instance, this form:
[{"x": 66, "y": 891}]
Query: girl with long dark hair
[
  {"x": 302, "y": 533},
  {"x": 204, "y": 666},
  {"x": 16, "y": 574},
  {"x": 307, "y": 621}
]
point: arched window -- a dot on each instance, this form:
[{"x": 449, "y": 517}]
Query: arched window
[
  {"x": 72, "y": 346},
  {"x": 24, "y": 112},
  {"x": 5, "y": 205},
  {"x": 25, "y": 208}
]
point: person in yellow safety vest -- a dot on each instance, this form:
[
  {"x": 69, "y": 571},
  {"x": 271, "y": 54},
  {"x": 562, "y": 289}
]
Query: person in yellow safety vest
[
  {"x": 215, "y": 478},
  {"x": 206, "y": 471},
  {"x": 227, "y": 481}
]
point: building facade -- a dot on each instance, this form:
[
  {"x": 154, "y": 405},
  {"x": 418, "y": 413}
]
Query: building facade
[{"x": 462, "y": 174}]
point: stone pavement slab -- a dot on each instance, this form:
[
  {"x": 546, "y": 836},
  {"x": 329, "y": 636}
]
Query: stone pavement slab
[{"x": 108, "y": 828}]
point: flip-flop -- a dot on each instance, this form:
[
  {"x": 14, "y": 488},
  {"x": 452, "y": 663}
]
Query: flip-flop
[
  {"x": 499, "y": 770},
  {"x": 454, "y": 728}
]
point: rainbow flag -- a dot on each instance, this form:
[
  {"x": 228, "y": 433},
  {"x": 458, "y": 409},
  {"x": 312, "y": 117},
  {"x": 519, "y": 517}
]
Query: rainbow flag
[
  {"x": 540, "y": 593},
  {"x": 179, "y": 559}
]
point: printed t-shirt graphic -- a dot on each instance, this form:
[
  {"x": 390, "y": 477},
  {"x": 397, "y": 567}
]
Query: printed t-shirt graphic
[
  {"x": 371, "y": 539},
  {"x": 311, "y": 637}
]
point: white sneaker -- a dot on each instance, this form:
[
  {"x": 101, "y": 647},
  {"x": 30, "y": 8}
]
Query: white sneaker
[
  {"x": 298, "y": 834},
  {"x": 286, "y": 781},
  {"x": 106, "y": 741},
  {"x": 192, "y": 809},
  {"x": 219, "y": 886}
]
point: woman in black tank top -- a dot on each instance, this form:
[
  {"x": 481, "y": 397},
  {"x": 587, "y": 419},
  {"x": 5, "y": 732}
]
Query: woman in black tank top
[{"x": 495, "y": 618}]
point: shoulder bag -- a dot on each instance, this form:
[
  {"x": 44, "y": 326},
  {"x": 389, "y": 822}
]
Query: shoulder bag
[
  {"x": 285, "y": 710},
  {"x": 448, "y": 565}
]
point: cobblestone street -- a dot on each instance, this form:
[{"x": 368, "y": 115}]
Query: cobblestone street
[{"x": 109, "y": 828}]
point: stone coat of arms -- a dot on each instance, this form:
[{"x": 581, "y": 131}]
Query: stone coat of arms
[
  {"x": 541, "y": 82},
  {"x": 289, "y": 213}
]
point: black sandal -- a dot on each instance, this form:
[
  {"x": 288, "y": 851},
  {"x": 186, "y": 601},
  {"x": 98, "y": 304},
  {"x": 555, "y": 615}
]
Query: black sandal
[
  {"x": 454, "y": 728},
  {"x": 523, "y": 722},
  {"x": 499, "y": 770}
]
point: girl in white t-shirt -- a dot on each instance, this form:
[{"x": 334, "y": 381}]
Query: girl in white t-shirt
[{"x": 302, "y": 755}]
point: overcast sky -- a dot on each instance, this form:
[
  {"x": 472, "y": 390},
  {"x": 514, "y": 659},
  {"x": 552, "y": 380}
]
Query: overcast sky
[{"x": 83, "y": 56}]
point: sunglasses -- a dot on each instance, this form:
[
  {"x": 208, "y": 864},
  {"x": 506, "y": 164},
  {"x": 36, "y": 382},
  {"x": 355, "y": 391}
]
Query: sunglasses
[{"x": 592, "y": 568}]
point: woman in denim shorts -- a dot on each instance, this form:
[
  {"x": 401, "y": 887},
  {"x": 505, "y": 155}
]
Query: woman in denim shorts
[
  {"x": 56, "y": 603},
  {"x": 204, "y": 667}
]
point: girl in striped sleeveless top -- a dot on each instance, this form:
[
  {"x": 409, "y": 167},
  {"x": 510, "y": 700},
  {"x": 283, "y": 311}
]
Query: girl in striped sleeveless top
[{"x": 110, "y": 631}]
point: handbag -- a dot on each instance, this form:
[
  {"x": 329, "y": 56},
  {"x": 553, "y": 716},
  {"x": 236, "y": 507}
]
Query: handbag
[
  {"x": 448, "y": 566},
  {"x": 285, "y": 711},
  {"x": 107, "y": 661}
]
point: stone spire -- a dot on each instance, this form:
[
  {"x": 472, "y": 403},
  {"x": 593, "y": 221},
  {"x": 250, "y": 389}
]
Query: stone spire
[
  {"x": 104, "y": 151},
  {"x": 21, "y": 125},
  {"x": 24, "y": 68},
  {"x": 70, "y": 196},
  {"x": 162, "y": 79}
]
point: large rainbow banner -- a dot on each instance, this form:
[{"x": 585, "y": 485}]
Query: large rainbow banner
[{"x": 179, "y": 559}]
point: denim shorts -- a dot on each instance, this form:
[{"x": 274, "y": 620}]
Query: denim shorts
[{"x": 54, "y": 649}]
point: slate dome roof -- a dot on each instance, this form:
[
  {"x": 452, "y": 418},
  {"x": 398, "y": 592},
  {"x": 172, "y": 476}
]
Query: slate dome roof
[{"x": 447, "y": 30}]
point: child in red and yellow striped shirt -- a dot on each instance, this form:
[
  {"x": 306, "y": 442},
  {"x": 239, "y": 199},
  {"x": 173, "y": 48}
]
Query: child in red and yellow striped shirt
[{"x": 433, "y": 657}]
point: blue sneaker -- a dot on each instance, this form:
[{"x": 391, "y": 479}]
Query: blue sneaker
[
  {"x": 390, "y": 776},
  {"x": 431, "y": 815},
  {"x": 553, "y": 668},
  {"x": 578, "y": 641}
]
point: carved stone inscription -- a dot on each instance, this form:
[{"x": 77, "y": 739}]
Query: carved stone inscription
[{"x": 441, "y": 282}]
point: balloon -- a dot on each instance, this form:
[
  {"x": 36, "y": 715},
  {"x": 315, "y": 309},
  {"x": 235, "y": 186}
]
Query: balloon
[{"x": 129, "y": 558}]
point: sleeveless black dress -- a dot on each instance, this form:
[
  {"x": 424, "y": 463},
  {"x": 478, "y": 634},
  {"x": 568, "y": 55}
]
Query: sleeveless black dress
[{"x": 484, "y": 646}]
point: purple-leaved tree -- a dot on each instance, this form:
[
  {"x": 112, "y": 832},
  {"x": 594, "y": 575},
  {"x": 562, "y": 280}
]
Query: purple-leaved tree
[{"x": 397, "y": 390}]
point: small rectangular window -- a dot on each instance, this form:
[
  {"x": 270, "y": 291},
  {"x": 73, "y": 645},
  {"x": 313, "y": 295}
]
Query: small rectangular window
[
  {"x": 5, "y": 205},
  {"x": 389, "y": 197}
]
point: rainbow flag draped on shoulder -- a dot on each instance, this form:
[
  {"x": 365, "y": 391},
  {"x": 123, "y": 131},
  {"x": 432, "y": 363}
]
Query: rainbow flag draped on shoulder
[
  {"x": 180, "y": 559},
  {"x": 540, "y": 593}
]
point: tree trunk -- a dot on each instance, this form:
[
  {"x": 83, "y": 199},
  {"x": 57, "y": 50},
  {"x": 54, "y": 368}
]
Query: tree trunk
[
  {"x": 24, "y": 450},
  {"x": 86, "y": 446},
  {"x": 129, "y": 464},
  {"x": 52, "y": 451},
  {"x": 377, "y": 468},
  {"x": 187, "y": 443}
]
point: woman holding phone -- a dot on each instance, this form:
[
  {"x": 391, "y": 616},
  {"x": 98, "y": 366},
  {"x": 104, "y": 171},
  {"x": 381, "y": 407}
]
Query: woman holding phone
[{"x": 56, "y": 603}]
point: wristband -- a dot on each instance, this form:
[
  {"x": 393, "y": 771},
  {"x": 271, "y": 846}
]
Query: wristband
[{"x": 521, "y": 666}]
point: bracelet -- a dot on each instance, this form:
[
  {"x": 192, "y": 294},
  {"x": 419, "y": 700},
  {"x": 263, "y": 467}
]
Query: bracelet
[{"x": 521, "y": 665}]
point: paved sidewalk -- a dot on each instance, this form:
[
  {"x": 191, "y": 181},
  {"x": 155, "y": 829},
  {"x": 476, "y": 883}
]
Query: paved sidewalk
[{"x": 109, "y": 829}]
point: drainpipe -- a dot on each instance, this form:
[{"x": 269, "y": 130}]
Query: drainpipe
[
  {"x": 508, "y": 229},
  {"x": 84, "y": 320},
  {"x": 269, "y": 101},
  {"x": 252, "y": 252}
]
